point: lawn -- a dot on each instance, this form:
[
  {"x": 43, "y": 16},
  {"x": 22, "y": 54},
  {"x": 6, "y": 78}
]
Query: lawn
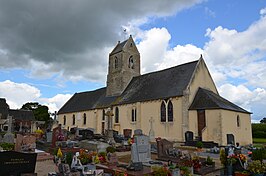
[{"x": 259, "y": 140}]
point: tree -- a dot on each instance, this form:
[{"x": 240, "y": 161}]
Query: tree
[
  {"x": 40, "y": 111},
  {"x": 263, "y": 120}
]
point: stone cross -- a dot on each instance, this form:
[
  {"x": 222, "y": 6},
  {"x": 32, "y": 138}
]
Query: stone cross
[
  {"x": 9, "y": 124},
  {"x": 151, "y": 132},
  {"x": 109, "y": 134}
]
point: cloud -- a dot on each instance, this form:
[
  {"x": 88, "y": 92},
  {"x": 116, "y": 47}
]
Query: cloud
[
  {"x": 62, "y": 38},
  {"x": 17, "y": 94}
]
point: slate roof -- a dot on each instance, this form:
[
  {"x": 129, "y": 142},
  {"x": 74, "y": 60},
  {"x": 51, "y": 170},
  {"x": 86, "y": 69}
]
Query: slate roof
[
  {"x": 206, "y": 99},
  {"x": 157, "y": 85},
  {"x": 118, "y": 47},
  {"x": 21, "y": 114}
]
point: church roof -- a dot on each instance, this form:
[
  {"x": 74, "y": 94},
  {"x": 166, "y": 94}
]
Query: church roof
[
  {"x": 118, "y": 47},
  {"x": 21, "y": 114},
  {"x": 206, "y": 99},
  {"x": 156, "y": 85}
]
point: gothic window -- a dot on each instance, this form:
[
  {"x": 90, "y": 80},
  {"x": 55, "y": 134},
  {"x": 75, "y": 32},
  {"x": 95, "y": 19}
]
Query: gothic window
[
  {"x": 167, "y": 111},
  {"x": 134, "y": 115},
  {"x": 103, "y": 115},
  {"x": 73, "y": 119},
  {"x": 170, "y": 111},
  {"x": 116, "y": 115},
  {"x": 238, "y": 121},
  {"x": 64, "y": 122},
  {"x": 116, "y": 62},
  {"x": 84, "y": 118},
  {"x": 163, "y": 112}
]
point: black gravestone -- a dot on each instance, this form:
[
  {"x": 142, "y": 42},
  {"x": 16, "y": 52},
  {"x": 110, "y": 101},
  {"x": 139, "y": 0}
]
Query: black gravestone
[{"x": 16, "y": 163}]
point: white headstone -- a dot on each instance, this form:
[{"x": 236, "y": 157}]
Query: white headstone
[{"x": 141, "y": 149}]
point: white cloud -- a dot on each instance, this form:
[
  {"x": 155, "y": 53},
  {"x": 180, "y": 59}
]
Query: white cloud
[
  {"x": 17, "y": 94},
  {"x": 263, "y": 11}
]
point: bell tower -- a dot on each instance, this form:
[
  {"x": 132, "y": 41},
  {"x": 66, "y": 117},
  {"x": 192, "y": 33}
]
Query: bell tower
[{"x": 124, "y": 64}]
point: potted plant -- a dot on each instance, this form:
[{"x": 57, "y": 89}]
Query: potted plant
[
  {"x": 257, "y": 168},
  {"x": 209, "y": 162},
  {"x": 199, "y": 145},
  {"x": 196, "y": 163}
]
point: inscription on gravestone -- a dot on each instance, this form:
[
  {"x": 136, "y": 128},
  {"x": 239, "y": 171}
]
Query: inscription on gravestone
[{"x": 16, "y": 163}]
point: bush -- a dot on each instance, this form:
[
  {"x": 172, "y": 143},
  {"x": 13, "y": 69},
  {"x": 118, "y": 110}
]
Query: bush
[
  {"x": 110, "y": 149},
  {"x": 259, "y": 154},
  {"x": 199, "y": 144},
  {"x": 258, "y": 130},
  {"x": 7, "y": 146}
]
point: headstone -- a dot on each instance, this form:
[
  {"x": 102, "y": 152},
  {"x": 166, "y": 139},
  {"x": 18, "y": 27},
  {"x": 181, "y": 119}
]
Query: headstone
[
  {"x": 58, "y": 135},
  {"x": 16, "y": 163},
  {"x": 9, "y": 137},
  {"x": 49, "y": 136},
  {"x": 127, "y": 133},
  {"x": 189, "y": 136},
  {"x": 137, "y": 132},
  {"x": 112, "y": 158},
  {"x": 141, "y": 149},
  {"x": 25, "y": 143},
  {"x": 163, "y": 147}
]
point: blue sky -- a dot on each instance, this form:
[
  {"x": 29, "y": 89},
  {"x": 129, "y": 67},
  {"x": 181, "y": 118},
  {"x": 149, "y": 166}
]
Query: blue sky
[{"x": 49, "y": 50}]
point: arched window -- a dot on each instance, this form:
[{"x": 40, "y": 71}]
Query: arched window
[
  {"x": 163, "y": 112},
  {"x": 64, "y": 122},
  {"x": 116, "y": 115},
  {"x": 103, "y": 115},
  {"x": 73, "y": 119},
  {"x": 131, "y": 62},
  {"x": 170, "y": 111},
  {"x": 116, "y": 62},
  {"x": 238, "y": 121},
  {"x": 84, "y": 119}
]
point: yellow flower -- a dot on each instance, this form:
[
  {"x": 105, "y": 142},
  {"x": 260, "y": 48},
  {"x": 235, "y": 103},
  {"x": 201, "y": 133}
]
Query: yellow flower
[{"x": 59, "y": 153}]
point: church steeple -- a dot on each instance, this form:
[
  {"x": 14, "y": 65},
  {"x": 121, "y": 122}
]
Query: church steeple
[{"x": 124, "y": 64}]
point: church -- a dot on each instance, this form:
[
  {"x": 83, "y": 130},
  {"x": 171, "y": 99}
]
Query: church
[{"x": 166, "y": 103}]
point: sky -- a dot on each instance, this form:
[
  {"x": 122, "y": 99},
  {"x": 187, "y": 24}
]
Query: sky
[{"x": 50, "y": 50}]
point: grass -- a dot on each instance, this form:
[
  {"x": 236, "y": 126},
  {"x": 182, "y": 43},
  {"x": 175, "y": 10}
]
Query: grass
[{"x": 259, "y": 140}]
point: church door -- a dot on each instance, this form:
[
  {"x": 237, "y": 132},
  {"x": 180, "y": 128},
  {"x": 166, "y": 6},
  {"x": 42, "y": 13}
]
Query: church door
[{"x": 201, "y": 121}]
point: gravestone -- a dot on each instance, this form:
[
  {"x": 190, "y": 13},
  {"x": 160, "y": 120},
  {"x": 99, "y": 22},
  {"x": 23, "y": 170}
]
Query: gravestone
[
  {"x": 141, "y": 148},
  {"x": 9, "y": 137},
  {"x": 58, "y": 135},
  {"x": 137, "y": 132},
  {"x": 25, "y": 143},
  {"x": 163, "y": 147},
  {"x": 127, "y": 133},
  {"x": 49, "y": 137},
  {"x": 16, "y": 163}
]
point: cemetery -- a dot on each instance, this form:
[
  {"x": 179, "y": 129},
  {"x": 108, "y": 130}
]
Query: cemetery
[{"x": 82, "y": 153}]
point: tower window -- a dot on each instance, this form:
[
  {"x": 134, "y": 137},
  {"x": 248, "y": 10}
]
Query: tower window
[
  {"x": 116, "y": 62},
  {"x": 131, "y": 62},
  {"x": 116, "y": 115}
]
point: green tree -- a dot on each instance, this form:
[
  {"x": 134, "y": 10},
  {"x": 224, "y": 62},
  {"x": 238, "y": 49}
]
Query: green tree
[
  {"x": 40, "y": 111},
  {"x": 263, "y": 120}
]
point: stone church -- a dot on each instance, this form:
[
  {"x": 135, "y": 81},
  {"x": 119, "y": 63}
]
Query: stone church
[{"x": 166, "y": 103}]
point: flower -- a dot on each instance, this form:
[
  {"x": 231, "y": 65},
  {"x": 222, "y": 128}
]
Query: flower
[
  {"x": 231, "y": 159},
  {"x": 242, "y": 157},
  {"x": 256, "y": 167}
]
